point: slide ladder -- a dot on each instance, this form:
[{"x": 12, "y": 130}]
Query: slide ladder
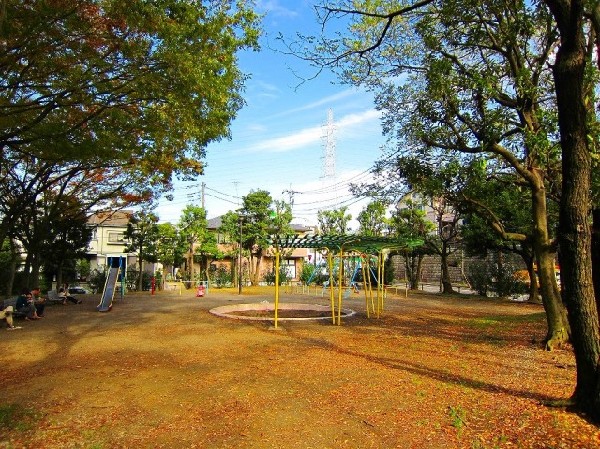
[{"x": 109, "y": 290}]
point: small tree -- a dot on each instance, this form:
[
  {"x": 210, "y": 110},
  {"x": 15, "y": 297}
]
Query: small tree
[
  {"x": 334, "y": 222},
  {"x": 142, "y": 233},
  {"x": 221, "y": 276},
  {"x": 170, "y": 247},
  {"x": 372, "y": 220},
  {"x": 83, "y": 268},
  {"x": 269, "y": 276},
  {"x": 201, "y": 242},
  {"x": 410, "y": 221}
]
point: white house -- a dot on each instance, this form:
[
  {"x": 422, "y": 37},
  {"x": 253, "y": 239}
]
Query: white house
[{"x": 108, "y": 238}]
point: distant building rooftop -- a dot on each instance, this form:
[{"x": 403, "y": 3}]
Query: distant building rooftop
[{"x": 111, "y": 218}]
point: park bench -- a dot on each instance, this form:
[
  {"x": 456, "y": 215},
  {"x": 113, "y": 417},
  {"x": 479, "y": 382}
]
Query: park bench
[
  {"x": 174, "y": 286},
  {"x": 53, "y": 297}
]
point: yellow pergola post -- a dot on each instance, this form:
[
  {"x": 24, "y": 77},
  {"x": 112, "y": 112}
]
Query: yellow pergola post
[
  {"x": 365, "y": 284},
  {"x": 276, "y": 286},
  {"x": 380, "y": 286},
  {"x": 340, "y": 289},
  {"x": 331, "y": 297},
  {"x": 368, "y": 280},
  {"x": 373, "y": 250}
]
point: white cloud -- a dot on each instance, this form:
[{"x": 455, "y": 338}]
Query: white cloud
[
  {"x": 293, "y": 141},
  {"x": 275, "y": 8},
  {"x": 326, "y": 101},
  {"x": 313, "y": 135},
  {"x": 352, "y": 120}
]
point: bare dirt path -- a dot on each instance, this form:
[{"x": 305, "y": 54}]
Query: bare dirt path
[{"x": 162, "y": 372}]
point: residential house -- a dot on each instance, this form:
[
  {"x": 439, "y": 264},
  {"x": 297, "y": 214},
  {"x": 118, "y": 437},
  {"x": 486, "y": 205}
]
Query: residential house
[
  {"x": 292, "y": 261},
  {"x": 108, "y": 238}
]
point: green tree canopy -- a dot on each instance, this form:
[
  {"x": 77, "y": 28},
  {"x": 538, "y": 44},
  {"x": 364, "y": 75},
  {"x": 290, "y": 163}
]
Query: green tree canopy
[
  {"x": 171, "y": 247},
  {"x": 127, "y": 94},
  {"x": 473, "y": 83},
  {"x": 372, "y": 219},
  {"x": 569, "y": 30},
  {"x": 335, "y": 221},
  {"x": 193, "y": 230},
  {"x": 259, "y": 218},
  {"x": 142, "y": 236}
]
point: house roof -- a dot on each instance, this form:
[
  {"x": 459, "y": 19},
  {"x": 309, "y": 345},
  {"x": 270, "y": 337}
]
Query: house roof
[
  {"x": 111, "y": 218},
  {"x": 214, "y": 223}
]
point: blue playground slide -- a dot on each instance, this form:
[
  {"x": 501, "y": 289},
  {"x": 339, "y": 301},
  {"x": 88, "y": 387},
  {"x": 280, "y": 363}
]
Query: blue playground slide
[{"x": 109, "y": 290}]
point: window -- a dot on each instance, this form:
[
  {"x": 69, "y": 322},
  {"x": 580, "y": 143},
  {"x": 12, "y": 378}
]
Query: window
[
  {"x": 290, "y": 267},
  {"x": 116, "y": 237}
]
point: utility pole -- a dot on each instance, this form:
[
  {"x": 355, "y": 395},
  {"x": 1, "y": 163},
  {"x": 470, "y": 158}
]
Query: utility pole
[
  {"x": 202, "y": 195},
  {"x": 291, "y": 193},
  {"x": 240, "y": 260}
]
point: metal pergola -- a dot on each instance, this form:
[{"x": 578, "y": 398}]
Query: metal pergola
[{"x": 364, "y": 246}]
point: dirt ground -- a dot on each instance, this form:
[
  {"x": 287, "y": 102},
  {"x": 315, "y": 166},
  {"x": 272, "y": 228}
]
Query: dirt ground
[{"x": 162, "y": 372}]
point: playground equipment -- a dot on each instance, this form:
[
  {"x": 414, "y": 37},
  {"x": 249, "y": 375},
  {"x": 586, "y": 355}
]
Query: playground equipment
[
  {"x": 232, "y": 311},
  {"x": 115, "y": 272},
  {"x": 372, "y": 252}
]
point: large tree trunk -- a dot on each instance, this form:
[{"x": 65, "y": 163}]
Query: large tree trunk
[
  {"x": 59, "y": 277},
  {"x": 257, "y": 272},
  {"x": 34, "y": 276},
  {"x": 13, "y": 267},
  {"x": 141, "y": 278},
  {"x": 255, "y": 259},
  {"x": 556, "y": 317},
  {"x": 446, "y": 282},
  {"x": 533, "y": 281},
  {"x": 543, "y": 247},
  {"x": 574, "y": 228},
  {"x": 413, "y": 263},
  {"x": 596, "y": 255}
]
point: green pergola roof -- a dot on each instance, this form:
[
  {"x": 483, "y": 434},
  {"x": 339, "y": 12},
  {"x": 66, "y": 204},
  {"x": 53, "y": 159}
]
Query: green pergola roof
[{"x": 356, "y": 243}]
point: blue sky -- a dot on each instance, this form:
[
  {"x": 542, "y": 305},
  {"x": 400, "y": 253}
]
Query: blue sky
[{"x": 278, "y": 139}]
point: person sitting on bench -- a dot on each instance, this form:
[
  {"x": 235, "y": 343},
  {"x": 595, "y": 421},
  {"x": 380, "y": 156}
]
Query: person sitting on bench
[
  {"x": 38, "y": 301},
  {"x": 26, "y": 306},
  {"x": 62, "y": 293}
]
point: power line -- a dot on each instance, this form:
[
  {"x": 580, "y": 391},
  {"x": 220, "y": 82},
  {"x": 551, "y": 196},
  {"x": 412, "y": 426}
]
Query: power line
[
  {"x": 222, "y": 193},
  {"x": 223, "y": 199}
]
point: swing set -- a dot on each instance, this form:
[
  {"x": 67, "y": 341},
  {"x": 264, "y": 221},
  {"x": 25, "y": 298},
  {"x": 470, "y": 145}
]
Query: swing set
[
  {"x": 370, "y": 252},
  {"x": 352, "y": 262}
]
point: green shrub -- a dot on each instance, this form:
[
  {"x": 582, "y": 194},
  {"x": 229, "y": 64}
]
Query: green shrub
[
  {"x": 97, "y": 279},
  {"x": 158, "y": 279},
  {"x": 505, "y": 281},
  {"x": 479, "y": 277},
  {"x": 133, "y": 277},
  {"x": 487, "y": 277},
  {"x": 221, "y": 276},
  {"x": 307, "y": 272},
  {"x": 269, "y": 277},
  {"x": 83, "y": 268}
]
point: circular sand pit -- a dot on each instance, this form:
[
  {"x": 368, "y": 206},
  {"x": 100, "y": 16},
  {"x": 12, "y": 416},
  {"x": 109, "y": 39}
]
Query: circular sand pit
[{"x": 265, "y": 311}]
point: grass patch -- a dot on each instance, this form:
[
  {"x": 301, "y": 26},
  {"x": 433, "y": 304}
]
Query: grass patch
[
  {"x": 503, "y": 320},
  {"x": 457, "y": 418},
  {"x": 17, "y": 417}
]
